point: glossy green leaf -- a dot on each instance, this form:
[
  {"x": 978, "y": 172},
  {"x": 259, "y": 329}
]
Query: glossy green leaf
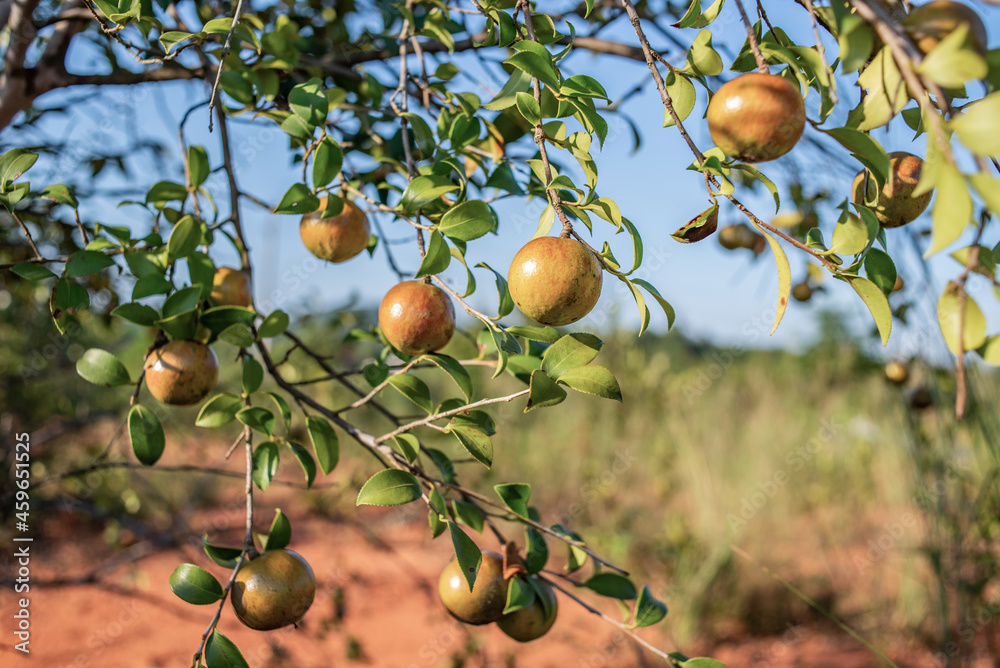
[
  {"x": 468, "y": 220},
  {"x": 648, "y": 610},
  {"x": 32, "y": 272},
  {"x": 328, "y": 159},
  {"x": 258, "y": 419},
  {"x": 198, "y": 166},
  {"x": 467, "y": 553},
  {"x": 193, "y": 584},
  {"x": 390, "y": 487},
  {"x": 520, "y": 594},
  {"x": 184, "y": 238},
  {"x": 515, "y": 496},
  {"x": 306, "y": 461},
  {"x": 612, "y": 585},
  {"x": 253, "y": 375},
  {"x": 413, "y": 389},
  {"x": 592, "y": 379},
  {"x": 280, "y": 533},
  {"x": 325, "y": 442},
  {"x": 425, "y": 189},
  {"x": 86, "y": 262},
  {"x": 298, "y": 199},
  {"x": 146, "y": 435},
  {"x": 437, "y": 258},
  {"x": 475, "y": 442},
  {"x": 221, "y": 652},
  {"x": 569, "y": 352},
  {"x": 543, "y": 391},
  {"x": 219, "y": 410},
  {"x": 273, "y": 325},
  {"x": 265, "y": 464},
  {"x": 453, "y": 368},
  {"x": 876, "y": 302},
  {"x": 140, "y": 314},
  {"x": 408, "y": 446},
  {"x": 102, "y": 368},
  {"x": 469, "y": 514}
]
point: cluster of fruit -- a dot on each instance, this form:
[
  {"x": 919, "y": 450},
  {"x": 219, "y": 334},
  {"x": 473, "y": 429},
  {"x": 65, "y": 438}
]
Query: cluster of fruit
[{"x": 485, "y": 602}]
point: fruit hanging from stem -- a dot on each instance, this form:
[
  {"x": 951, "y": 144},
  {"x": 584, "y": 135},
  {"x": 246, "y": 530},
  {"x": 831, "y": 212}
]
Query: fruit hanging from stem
[
  {"x": 273, "y": 590},
  {"x": 554, "y": 280},
  {"x": 181, "y": 373},
  {"x": 337, "y": 238},
  {"x": 895, "y": 205},
  {"x": 416, "y": 317},
  {"x": 756, "y": 117}
]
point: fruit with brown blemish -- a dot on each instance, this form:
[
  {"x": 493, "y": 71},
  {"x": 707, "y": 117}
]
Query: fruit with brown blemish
[
  {"x": 273, "y": 590},
  {"x": 416, "y": 317},
  {"x": 230, "y": 287},
  {"x": 181, "y": 373},
  {"x": 895, "y": 205},
  {"x": 756, "y": 117},
  {"x": 534, "y": 621},
  {"x": 336, "y": 238},
  {"x": 485, "y": 602},
  {"x": 555, "y": 281}
]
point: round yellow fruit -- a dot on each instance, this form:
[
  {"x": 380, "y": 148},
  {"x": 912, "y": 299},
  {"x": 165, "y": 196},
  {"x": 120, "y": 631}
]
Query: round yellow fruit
[
  {"x": 273, "y": 590},
  {"x": 181, "y": 373},
  {"x": 555, "y": 281}
]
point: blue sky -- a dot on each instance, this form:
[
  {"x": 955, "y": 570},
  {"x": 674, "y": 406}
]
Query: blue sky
[{"x": 726, "y": 297}]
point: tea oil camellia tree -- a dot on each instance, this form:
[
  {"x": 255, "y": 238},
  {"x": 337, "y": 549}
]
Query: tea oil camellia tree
[{"x": 424, "y": 149}]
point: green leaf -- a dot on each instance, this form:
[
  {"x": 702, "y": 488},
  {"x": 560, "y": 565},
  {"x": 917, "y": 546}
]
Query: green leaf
[
  {"x": 582, "y": 85},
  {"x": 437, "y": 257},
  {"x": 648, "y": 610},
  {"x": 61, "y": 193},
  {"x": 952, "y": 207},
  {"x": 443, "y": 463},
  {"x": 453, "y": 368},
  {"x": 425, "y": 189},
  {"x": 520, "y": 594},
  {"x": 297, "y": 199},
  {"x": 85, "y": 262},
  {"x": 668, "y": 310},
  {"x": 468, "y": 220},
  {"x": 612, "y": 585},
  {"x": 148, "y": 286},
  {"x": 327, "y": 162},
  {"x": 183, "y": 301},
  {"x": 13, "y": 163},
  {"x": 437, "y": 515},
  {"x": 469, "y": 514},
  {"x": 506, "y": 304},
  {"x": 172, "y": 38},
  {"x": 517, "y": 83},
  {"x": 544, "y": 334},
  {"x": 280, "y": 533},
  {"x": 102, "y": 368},
  {"x": 866, "y": 150},
  {"x": 413, "y": 389},
  {"x": 528, "y": 107},
  {"x": 265, "y": 464},
  {"x": 325, "y": 442},
  {"x": 569, "y": 352},
  {"x": 701, "y": 57},
  {"x": 592, "y": 379},
  {"x": 952, "y": 317},
  {"x": 273, "y": 325},
  {"x": 222, "y": 556},
  {"x": 162, "y": 192},
  {"x": 784, "y": 276},
  {"x": 515, "y": 496},
  {"x": 283, "y": 409},
  {"x": 219, "y": 410},
  {"x": 977, "y": 126},
  {"x": 253, "y": 375},
  {"x": 195, "y": 585},
  {"x": 306, "y": 461},
  {"x": 390, "y": 487},
  {"x": 467, "y": 553},
  {"x": 851, "y": 235},
  {"x": 408, "y": 446},
  {"x": 682, "y": 94},
  {"x": 258, "y": 419},
  {"x": 146, "y": 434},
  {"x": 309, "y": 102},
  {"x": 32, "y": 272},
  {"x": 536, "y": 551},
  {"x": 701, "y": 662},
  {"x": 876, "y": 302},
  {"x": 543, "y": 392},
  {"x": 238, "y": 335},
  {"x": 880, "y": 270},
  {"x": 476, "y": 442},
  {"x": 140, "y": 314},
  {"x": 198, "y": 166},
  {"x": 221, "y": 652},
  {"x": 202, "y": 272},
  {"x": 951, "y": 63},
  {"x": 577, "y": 557},
  {"x": 535, "y": 65},
  {"x": 184, "y": 238}
]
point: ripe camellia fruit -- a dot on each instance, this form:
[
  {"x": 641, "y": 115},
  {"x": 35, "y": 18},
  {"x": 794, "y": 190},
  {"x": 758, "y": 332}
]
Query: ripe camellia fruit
[
  {"x": 534, "y": 621},
  {"x": 337, "y": 238},
  {"x": 896, "y": 205},
  {"x": 488, "y": 598},
  {"x": 554, "y": 281},
  {"x": 273, "y": 590},
  {"x": 897, "y": 373},
  {"x": 928, "y": 24},
  {"x": 416, "y": 317},
  {"x": 756, "y": 117},
  {"x": 230, "y": 287},
  {"x": 181, "y": 373}
]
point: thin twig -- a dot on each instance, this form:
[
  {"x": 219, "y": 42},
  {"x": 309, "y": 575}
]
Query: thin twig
[
  {"x": 222, "y": 61},
  {"x": 751, "y": 35}
]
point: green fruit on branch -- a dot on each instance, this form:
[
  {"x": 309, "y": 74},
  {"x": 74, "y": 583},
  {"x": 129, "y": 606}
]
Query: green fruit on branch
[
  {"x": 181, "y": 373},
  {"x": 928, "y": 24},
  {"x": 741, "y": 235},
  {"x": 230, "y": 287},
  {"x": 895, "y": 206},
  {"x": 273, "y": 590},
  {"x": 756, "y": 117},
  {"x": 488, "y": 597},
  {"x": 555, "y": 281},
  {"x": 416, "y": 317},
  {"x": 534, "y": 621},
  {"x": 337, "y": 238}
]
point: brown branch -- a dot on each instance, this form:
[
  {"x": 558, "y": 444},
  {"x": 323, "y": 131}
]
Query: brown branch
[
  {"x": 222, "y": 61},
  {"x": 758, "y": 56}
]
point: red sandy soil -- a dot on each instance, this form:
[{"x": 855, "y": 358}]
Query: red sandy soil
[{"x": 386, "y": 567}]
